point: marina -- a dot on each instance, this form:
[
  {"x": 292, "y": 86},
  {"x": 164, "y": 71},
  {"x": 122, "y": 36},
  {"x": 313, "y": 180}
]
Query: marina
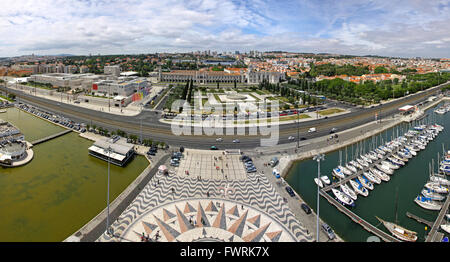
[{"x": 393, "y": 157}]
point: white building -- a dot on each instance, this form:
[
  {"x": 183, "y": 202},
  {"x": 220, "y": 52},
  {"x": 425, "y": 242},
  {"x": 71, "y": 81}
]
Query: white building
[{"x": 112, "y": 70}]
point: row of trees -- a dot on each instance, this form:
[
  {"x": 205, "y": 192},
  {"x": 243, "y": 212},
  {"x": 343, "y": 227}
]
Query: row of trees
[
  {"x": 370, "y": 92},
  {"x": 134, "y": 138},
  {"x": 332, "y": 70}
]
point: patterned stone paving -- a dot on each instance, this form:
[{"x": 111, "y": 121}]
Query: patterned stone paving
[
  {"x": 208, "y": 210},
  {"x": 211, "y": 165}
]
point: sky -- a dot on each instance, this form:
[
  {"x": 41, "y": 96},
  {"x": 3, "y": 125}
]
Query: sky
[{"x": 403, "y": 28}]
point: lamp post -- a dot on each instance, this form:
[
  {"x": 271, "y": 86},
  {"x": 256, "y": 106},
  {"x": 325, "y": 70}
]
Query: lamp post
[
  {"x": 108, "y": 231},
  {"x": 318, "y": 158}
]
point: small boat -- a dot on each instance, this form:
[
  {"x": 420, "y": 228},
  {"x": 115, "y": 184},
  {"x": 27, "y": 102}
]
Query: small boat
[
  {"x": 445, "y": 169},
  {"x": 426, "y": 192},
  {"x": 348, "y": 191},
  {"x": 446, "y": 228},
  {"x": 351, "y": 168},
  {"x": 343, "y": 198},
  {"x": 367, "y": 158},
  {"x": 403, "y": 159},
  {"x": 385, "y": 169},
  {"x": 325, "y": 179},
  {"x": 440, "y": 180},
  {"x": 345, "y": 170},
  {"x": 379, "y": 174},
  {"x": 362, "y": 162},
  {"x": 427, "y": 203},
  {"x": 338, "y": 172},
  {"x": 359, "y": 188},
  {"x": 389, "y": 164},
  {"x": 356, "y": 164},
  {"x": 404, "y": 154},
  {"x": 399, "y": 232},
  {"x": 372, "y": 178},
  {"x": 407, "y": 151},
  {"x": 395, "y": 161},
  {"x": 365, "y": 182},
  {"x": 318, "y": 182},
  {"x": 436, "y": 187},
  {"x": 379, "y": 151},
  {"x": 372, "y": 155}
]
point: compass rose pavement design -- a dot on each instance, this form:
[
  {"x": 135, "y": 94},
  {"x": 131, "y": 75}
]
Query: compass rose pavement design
[{"x": 197, "y": 210}]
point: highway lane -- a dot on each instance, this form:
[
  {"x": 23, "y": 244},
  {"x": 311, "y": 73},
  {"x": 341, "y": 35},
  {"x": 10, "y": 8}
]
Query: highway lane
[{"x": 153, "y": 129}]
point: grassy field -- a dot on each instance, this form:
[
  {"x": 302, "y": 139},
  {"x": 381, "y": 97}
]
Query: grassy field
[{"x": 330, "y": 111}]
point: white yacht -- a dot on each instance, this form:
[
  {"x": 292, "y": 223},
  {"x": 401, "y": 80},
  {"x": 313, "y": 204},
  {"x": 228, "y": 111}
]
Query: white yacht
[
  {"x": 436, "y": 187},
  {"x": 362, "y": 162},
  {"x": 325, "y": 179},
  {"x": 372, "y": 178},
  {"x": 385, "y": 169},
  {"x": 427, "y": 203},
  {"x": 440, "y": 180},
  {"x": 367, "y": 158},
  {"x": 348, "y": 191},
  {"x": 343, "y": 198},
  {"x": 345, "y": 170},
  {"x": 403, "y": 159},
  {"x": 338, "y": 172},
  {"x": 356, "y": 164},
  {"x": 396, "y": 161},
  {"x": 380, "y": 174},
  {"x": 446, "y": 228},
  {"x": 318, "y": 182},
  {"x": 365, "y": 182},
  {"x": 351, "y": 168},
  {"x": 372, "y": 155},
  {"x": 399, "y": 232},
  {"x": 359, "y": 188},
  {"x": 389, "y": 164},
  {"x": 426, "y": 192}
]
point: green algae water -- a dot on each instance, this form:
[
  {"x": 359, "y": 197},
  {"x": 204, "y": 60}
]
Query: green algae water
[
  {"x": 61, "y": 189},
  {"x": 408, "y": 181}
]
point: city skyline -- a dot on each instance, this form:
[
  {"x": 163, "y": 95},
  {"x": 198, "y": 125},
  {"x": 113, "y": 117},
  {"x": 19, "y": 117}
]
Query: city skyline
[{"x": 393, "y": 29}]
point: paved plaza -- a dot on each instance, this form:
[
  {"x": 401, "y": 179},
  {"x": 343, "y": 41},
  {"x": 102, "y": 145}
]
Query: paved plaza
[
  {"x": 211, "y": 165},
  {"x": 174, "y": 208}
]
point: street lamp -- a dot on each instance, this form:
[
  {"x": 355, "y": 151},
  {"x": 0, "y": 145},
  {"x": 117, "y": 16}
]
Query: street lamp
[
  {"x": 318, "y": 158},
  {"x": 108, "y": 230}
]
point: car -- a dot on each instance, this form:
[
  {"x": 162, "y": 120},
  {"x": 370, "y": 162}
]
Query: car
[
  {"x": 302, "y": 138},
  {"x": 219, "y": 139},
  {"x": 306, "y": 208},
  {"x": 236, "y": 141},
  {"x": 290, "y": 191},
  {"x": 312, "y": 129},
  {"x": 214, "y": 148},
  {"x": 333, "y": 130},
  {"x": 327, "y": 229},
  {"x": 76, "y": 102},
  {"x": 291, "y": 138},
  {"x": 273, "y": 162}
]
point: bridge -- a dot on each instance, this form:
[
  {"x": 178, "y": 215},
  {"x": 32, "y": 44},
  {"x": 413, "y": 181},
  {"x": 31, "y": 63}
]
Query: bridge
[{"x": 42, "y": 140}]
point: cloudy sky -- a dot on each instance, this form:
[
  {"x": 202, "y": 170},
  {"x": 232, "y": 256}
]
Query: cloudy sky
[{"x": 389, "y": 27}]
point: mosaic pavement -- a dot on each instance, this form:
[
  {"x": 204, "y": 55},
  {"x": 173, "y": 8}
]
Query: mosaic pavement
[{"x": 241, "y": 210}]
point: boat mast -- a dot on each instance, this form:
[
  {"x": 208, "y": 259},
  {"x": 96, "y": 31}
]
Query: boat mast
[{"x": 396, "y": 204}]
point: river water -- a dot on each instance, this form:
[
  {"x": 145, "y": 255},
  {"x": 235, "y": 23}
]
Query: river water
[
  {"x": 407, "y": 181},
  {"x": 61, "y": 189}
]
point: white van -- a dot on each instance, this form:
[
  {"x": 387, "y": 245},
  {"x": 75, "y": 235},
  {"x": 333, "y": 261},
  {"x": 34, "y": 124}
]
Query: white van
[{"x": 312, "y": 129}]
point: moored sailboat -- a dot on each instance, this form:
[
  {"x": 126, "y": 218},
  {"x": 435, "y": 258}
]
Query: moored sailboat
[{"x": 398, "y": 231}]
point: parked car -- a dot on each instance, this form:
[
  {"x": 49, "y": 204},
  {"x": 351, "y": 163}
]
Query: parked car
[
  {"x": 328, "y": 231},
  {"x": 273, "y": 162},
  {"x": 306, "y": 208},
  {"x": 290, "y": 191},
  {"x": 312, "y": 129},
  {"x": 291, "y": 138}
]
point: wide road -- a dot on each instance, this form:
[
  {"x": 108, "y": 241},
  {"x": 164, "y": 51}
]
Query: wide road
[{"x": 147, "y": 122}]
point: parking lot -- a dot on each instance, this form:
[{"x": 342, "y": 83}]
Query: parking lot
[{"x": 208, "y": 164}]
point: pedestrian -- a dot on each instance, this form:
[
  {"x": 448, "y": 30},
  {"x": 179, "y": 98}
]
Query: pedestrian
[
  {"x": 207, "y": 194},
  {"x": 173, "y": 190}
]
